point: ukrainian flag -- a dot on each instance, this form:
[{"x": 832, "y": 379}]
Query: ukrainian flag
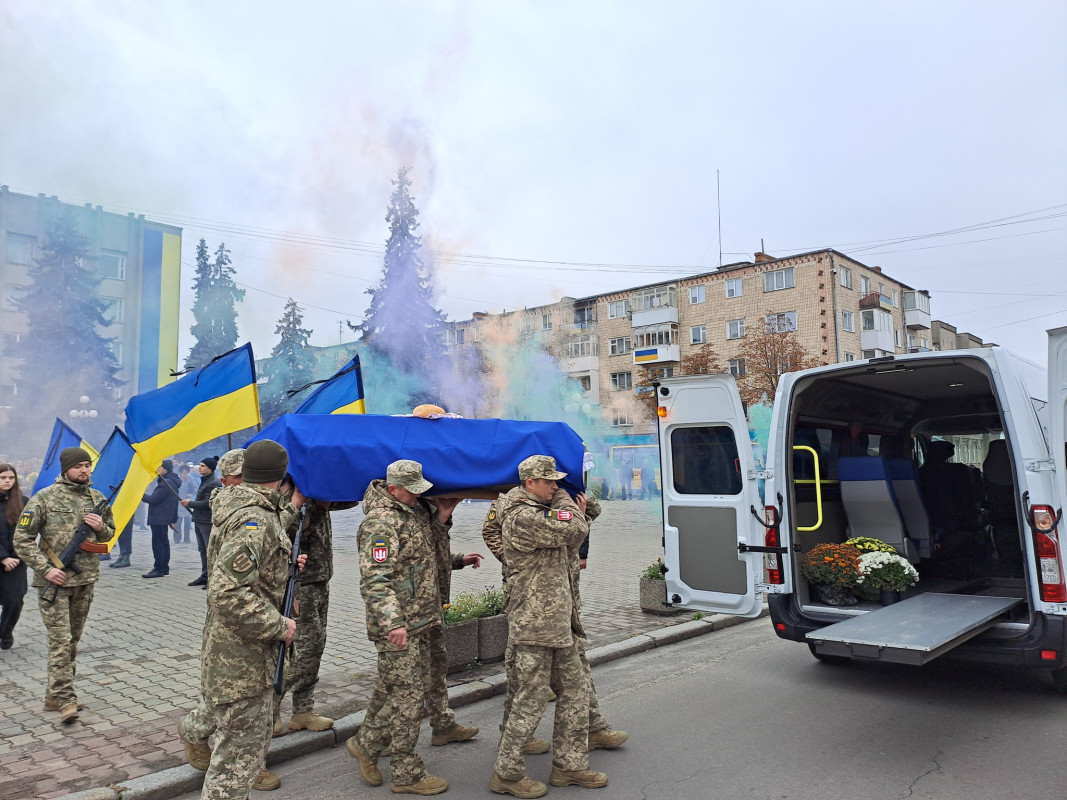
[
  {"x": 118, "y": 462},
  {"x": 63, "y": 436},
  {"x": 341, "y": 394},
  {"x": 212, "y": 401}
]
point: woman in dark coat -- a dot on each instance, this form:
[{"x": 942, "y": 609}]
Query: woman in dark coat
[{"x": 13, "y": 571}]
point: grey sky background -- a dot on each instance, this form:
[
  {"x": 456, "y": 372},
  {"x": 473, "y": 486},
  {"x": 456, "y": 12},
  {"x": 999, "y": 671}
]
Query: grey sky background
[{"x": 560, "y": 148}]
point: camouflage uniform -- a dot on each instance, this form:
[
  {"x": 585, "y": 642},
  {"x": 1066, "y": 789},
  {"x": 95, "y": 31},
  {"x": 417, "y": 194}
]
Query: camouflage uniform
[
  {"x": 313, "y": 596},
  {"x": 398, "y": 581},
  {"x": 491, "y": 534},
  {"x": 54, "y": 513},
  {"x": 248, "y": 562},
  {"x": 538, "y": 545}
]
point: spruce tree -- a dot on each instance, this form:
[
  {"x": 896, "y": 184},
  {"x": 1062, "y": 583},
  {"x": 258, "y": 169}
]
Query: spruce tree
[
  {"x": 402, "y": 322},
  {"x": 291, "y": 365},
  {"x": 63, "y": 355},
  {"x": 215, "y": 307}
]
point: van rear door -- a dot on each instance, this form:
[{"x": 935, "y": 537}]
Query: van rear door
[
  {"x": 709, "y": 496},
  {"x": 1057, "y": 398}
]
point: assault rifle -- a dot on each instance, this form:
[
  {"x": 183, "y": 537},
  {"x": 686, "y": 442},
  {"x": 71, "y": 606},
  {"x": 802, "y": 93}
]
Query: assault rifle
[
  {"x": 287, "y": 606},
  {"x": 67, "y": 560}
]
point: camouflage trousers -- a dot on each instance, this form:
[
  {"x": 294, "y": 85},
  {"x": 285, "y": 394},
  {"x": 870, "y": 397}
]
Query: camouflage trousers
[
  {"x": 596, "y": 719},
  {"x": 533, "y": 674},
  {"x": 64, "y": 621},
  {"x": 442, "y": 718},
  {"x": 302, "y": 669},
  {"x": 395, "y": 710},
  {"x": 242, "y": 735}
]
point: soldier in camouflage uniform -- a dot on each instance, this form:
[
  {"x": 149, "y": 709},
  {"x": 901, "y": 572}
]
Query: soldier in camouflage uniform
[
  {"x": 398, "y": 581},
  {"x": 601, "y": 734},
  {"x": 313, "y": 601},
  {"x": 54, "y": 513},
  {"x": 543, "y": 625},
  {"x": 248, "y": 560}
]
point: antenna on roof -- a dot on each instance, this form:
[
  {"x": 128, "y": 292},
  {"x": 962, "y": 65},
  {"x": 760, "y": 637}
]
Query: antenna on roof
[{"x": 718, "y": 207}]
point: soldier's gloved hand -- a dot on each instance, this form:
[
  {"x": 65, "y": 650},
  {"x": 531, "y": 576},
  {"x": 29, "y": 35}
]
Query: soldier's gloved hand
[{"x": 290, "y": 631}]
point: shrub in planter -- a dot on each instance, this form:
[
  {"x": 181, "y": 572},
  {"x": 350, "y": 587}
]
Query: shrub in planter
[{"x": 465, "y": 617}]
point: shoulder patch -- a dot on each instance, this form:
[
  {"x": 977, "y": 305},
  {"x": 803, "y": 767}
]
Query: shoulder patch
[
  {"x": 564, "y": 514},
  {"x": 242, "y": 562},
  {"x": 380, "y": 550},
  {"x": 25, "y": 519},
  {"x": 492, "y": 513},
  {"x": 251, "y": 526}
]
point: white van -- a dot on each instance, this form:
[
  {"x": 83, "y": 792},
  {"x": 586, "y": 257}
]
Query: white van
[{"x": 955, "y": 458}]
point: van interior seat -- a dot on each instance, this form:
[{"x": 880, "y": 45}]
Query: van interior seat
[
  {"x": 871, "y": 504},
  {"x": 904, "y": 475},
  {"x": 948, "y": 488},
  {"x": 999, "y": 486}
]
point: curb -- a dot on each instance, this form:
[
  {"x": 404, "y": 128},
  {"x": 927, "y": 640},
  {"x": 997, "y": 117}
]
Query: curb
[{"x": 179, "y": 780}]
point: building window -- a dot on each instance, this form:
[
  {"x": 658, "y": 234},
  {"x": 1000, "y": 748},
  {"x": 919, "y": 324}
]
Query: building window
[
  {"x": 8, "y": 341},
  {"x": 696, "y": 295},
  {"x": 619, "y": 309},
  {"x": 848, "y": 321},
  {"x": 896, "y": 298},
  {"x": 116, "y": 352},
  {"x": 621, "y": 418},
  {"x": 657, "y": 297},
  {"x": 583, "y": 317},
  {"x": 733, "y": 288},
  {"x": 850, "y": 356},
  {"x": 581, "y": 346},
  {"x": 865, "y": 285},
  {"x": 924, "y": 343},
  {"x": 659, "y": 373},
  {"x": 619, "y": 346},
  {"x": 875, "y": 320},
  {"x": 546, "y": 322},
  {"x": 527, "y": 325},
  {"x": 896, "y": 336},
  {"x": 622, "y": 381},
  {"x": 844, "y": 277},
  {"x": 114, "y": 310},
  {"x": 780, "y": 323},
  {"x": 586, "y": 382},
  {"x": 698, "y": 334},
  {"x": 735, "y": 329},
  {"x": 112, "y": 265},
  {"x": 656, "y": 335},
  {"x": 19, "y": 249},
  {"x": 461, "y": 335},
  {"x": 737, "y": 367},
  {"x": 11, "y": 296},
  {"x": 779, "y": 279}
]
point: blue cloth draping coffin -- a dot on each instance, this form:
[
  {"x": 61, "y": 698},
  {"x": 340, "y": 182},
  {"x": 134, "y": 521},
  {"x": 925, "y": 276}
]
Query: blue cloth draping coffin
[{"x": 334, "y": 457}]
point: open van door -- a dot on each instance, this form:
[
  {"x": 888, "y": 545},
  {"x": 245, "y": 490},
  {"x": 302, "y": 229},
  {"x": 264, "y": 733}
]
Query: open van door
[
  {"x": 710, "y": 494},
  {"x": 1057, "y": 398}
]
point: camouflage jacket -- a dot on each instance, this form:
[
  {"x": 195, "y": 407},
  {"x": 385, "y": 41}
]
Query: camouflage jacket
[
  {"x": 54, "y": 513},
  {"x": 246, "y": 583},
  {"x": 445, "y": 558},
  {"x": 491, "y": 526},
  {"x": 397, "y": 570},
  {"x": 317, "y": 539},
  {"x": 540, "y": 550}
]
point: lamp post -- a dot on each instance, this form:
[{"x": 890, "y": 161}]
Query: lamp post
[{"x": 86, "y": 411}]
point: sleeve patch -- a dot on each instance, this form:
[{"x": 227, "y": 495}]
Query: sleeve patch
[
  {"x": 564, "y": 514},
  {"x": 243, "y": 562},
  {"x": 492, "y": 513},
  {"x": 251, "y": 526},
  {"x": 25, "y": 519},
  {"x": 380, "y": 550}
]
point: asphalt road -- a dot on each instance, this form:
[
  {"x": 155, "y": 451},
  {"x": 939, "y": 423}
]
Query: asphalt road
[{"x": 742, "y": 714}]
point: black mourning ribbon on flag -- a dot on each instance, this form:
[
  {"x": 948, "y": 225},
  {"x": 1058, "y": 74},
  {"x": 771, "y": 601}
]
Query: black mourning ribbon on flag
[
  {"x": 345, "y": 371},
  {"x": 187, "y": 370}
]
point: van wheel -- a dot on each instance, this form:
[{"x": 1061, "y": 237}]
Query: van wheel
[{"x": 828, "y": 659}]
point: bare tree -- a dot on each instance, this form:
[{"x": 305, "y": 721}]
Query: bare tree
[{"x": 768, "y": 351}]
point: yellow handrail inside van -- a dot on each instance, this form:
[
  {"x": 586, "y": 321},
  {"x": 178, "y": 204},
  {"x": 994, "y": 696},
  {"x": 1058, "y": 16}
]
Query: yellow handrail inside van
[{"x": 818, "y": 488}]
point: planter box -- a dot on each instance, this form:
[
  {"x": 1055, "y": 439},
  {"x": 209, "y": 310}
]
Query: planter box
[
  {"x": 492, "y": 638},
  {"x": 461, "y": 641},
  {"x": 653, "y": 594}
]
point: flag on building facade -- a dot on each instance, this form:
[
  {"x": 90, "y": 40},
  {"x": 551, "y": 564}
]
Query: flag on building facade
[
  {"x": 63, "y": 436},
  {"x": 340, "y": 394}
]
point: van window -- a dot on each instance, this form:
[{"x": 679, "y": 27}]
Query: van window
[{"x": 705, "y": 460}]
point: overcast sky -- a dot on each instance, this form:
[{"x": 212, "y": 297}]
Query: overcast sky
[{"x": 587, "y": 133}]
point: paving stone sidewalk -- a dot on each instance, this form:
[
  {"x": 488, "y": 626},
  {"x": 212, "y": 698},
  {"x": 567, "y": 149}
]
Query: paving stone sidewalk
[{"x": 138, "y": 665}]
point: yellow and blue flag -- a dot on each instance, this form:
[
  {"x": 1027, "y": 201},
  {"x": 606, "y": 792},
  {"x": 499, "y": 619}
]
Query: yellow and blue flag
[
  {"x": 63, "y": 436},
  {"x": 214, "y": 400},
  {"x": 118, "y": 462},
  {"x": 340, "y": 394}
]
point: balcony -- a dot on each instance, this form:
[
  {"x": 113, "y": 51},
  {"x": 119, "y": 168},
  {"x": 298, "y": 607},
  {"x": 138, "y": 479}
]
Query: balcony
[
  {"x": 877, "y": 300},
  {"x": 582, "y": 364},
  {"x": 877, "y": 340},
  {"x": 655, "y": 316},
  {"x": 916, "y": 319},
  {"x": 656, "y": 355}
]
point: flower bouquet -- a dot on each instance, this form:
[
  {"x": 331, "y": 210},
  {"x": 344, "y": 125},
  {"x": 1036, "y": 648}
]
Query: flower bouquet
[
  {"x": 868, "y": 544},
  {"x": 833, "y": 570},
  {"x": 881, "y": 571}
]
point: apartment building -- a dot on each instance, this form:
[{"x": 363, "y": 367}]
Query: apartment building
[
  {"x": 840, "y": 309},
  {"x": 139, "y": 262}
]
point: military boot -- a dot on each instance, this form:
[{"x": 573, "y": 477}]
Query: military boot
[
  {"x": 68, "y": 713},
  {"x": 266, "y": 781},
  {"x": 525, "y": 788},
  {"x": 51, "y": 704},
  {"x": 198, "y": 755},
  {"x": 457, "y": 733},
  {"x": 278, "y": 729},
  {"x": 427, "y": 784},
  {"x": 368, "y": 767},
  {"x": 536, "y": 747},
  {"x": 606, "y": 739},
  {"x": 120, "y": 562},
  {"x": 586, "y": 778},
  {"x": 309, "y": 720}
]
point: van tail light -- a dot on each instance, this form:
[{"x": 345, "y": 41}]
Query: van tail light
[
  {"x": 772, "y": 566},
  {"x": 1043, "y": 522}
]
